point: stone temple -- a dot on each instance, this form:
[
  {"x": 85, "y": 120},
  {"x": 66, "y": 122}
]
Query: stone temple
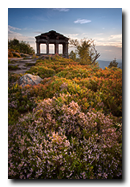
[{"x": 52, "y": 37}]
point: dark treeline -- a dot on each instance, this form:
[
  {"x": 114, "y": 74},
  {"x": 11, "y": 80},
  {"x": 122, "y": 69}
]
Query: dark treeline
[{"x": 20, "y": 46}]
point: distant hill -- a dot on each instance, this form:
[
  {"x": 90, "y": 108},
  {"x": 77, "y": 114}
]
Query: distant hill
[{"x": 103, "y": 64}]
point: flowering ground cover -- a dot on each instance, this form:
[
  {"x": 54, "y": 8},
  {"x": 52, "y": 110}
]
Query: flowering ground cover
[{"x": 67, "y": 127}]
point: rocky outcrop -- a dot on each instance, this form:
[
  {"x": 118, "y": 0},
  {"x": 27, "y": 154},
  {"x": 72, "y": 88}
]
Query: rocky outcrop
[{"x": 29, "y": 79}]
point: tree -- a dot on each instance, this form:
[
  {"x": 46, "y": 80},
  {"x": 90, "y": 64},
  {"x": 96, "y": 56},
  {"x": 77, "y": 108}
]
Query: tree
[
  {"x": 72, "y": 55},
  {"x": 113, "y": 64},
  {"x": 14, "y": 42},
  {"x": 86, "y": 51},
  {"x": 21, "y": 47}
]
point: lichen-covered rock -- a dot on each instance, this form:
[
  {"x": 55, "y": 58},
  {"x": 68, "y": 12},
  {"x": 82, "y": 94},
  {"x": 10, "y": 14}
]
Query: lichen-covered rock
[{"x": 29, "y": 79}]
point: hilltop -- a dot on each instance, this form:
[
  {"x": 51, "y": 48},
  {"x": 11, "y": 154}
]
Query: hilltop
[{"x": 69, "y": 126}]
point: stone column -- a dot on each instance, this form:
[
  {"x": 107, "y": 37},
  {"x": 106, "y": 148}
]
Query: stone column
[
  {"x": 38, "y": 48},
  {"x": 47, "y": 48},
  {"x": 65, "y": 50},
  {"x": 62, "y": 49},
  {"x": 56, "y": 48}
]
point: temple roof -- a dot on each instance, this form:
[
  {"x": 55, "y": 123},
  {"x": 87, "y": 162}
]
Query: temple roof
[{"x": 52, "y": 35}]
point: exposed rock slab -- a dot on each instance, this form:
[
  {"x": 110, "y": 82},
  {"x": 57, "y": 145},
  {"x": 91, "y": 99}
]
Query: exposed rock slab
[
  {"x": 23, "y": 64},
  {"x": 29, "y": 79}
]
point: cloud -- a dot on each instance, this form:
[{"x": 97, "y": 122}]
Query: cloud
[
  {"x": 116, "y": 37},
  {"x": 82, "y": 21},
  {"x": 13, "y": 28},
  {"x": 109, "y": 52},
  {"x": 99, "y": 34},
  {"x": 13, "y": 34},
  {"x": 62, "y": 9},
  {"x": 37, "y": 32},
  {"x": 39, "y": 18},
  {"x": 72, "y": 36},
  {"x": 112, "y": 40},
  {"x": 100, "y": 39}
]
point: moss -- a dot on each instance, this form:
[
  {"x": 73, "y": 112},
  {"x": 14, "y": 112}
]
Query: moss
[{"x": 12, "y": 67}]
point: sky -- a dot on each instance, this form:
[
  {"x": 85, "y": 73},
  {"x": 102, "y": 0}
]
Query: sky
[{"x": 103, "y": 25}]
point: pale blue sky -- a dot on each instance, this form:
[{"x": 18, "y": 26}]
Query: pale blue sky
[{"x": 103, "y": 25}]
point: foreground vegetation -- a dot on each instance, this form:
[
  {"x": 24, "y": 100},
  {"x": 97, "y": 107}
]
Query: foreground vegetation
[{"x": 69, "y": 126}]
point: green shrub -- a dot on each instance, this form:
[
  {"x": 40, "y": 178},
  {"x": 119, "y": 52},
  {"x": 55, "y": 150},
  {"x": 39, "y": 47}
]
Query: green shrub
[
  {"x": 41, "y": 71},
  {"x": 20, "y": 101},
  {"x": 13, "y": 67},
  {"x": 20, "y": 46},
  {"x": 16, "y": 55},
  {"x": 113, "y": 64}
]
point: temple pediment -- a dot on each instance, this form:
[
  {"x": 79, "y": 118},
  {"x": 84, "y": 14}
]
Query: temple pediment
[{"x": 52, "y": 35}]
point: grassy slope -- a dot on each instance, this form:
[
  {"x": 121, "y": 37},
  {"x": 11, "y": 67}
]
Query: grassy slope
[{"x": 74, "y": 106}]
